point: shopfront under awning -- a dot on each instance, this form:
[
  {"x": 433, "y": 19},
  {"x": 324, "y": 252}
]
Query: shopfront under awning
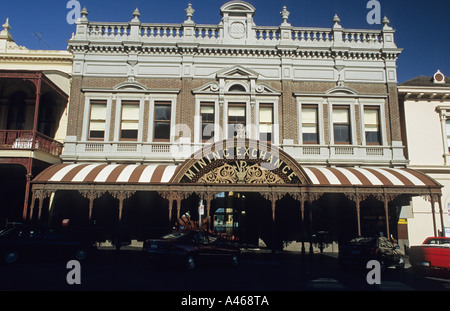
[{"x": 123, "y": 180}]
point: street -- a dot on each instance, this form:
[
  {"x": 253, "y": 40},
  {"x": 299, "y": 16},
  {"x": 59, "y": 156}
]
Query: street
[{"x": 259, "y": 271}]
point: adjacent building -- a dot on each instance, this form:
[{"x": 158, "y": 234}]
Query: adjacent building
[
  {"x": 34, "y": 94},
  {"x": 425, "y": 103},
  {"x": 274, "y": 133}
]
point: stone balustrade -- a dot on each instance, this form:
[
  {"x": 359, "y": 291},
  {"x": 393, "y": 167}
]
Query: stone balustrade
[
  {"x": 154, "y": 151},
  {"x": 189, "y": 32}
]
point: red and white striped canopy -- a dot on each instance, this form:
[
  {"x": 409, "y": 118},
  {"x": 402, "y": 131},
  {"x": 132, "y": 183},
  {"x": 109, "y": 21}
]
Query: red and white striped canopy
[
  {"x": 158, "y": 173},
  {"x": 339, "y": 176},
  {"x": 106, "y": 173}
]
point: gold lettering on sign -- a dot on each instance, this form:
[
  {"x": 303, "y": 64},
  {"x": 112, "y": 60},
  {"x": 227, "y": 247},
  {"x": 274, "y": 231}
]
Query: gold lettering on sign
[{"x": 256, "y": 166}]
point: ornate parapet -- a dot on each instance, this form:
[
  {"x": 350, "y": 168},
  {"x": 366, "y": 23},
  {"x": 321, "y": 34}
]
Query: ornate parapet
[{"x": 237, "y": 28}]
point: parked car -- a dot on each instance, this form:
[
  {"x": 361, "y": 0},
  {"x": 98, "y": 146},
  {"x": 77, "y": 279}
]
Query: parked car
[
  {"x": 190, "y": 248},
  {"x": 359, "y": 251},
  {"x": 433, "y": 254},
  {"x": 22, "y": 241}
]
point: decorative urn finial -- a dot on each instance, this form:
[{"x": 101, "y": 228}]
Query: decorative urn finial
[
  {"x": 189, "y": 13},
  {"x": 285, "y": 15},
  {"x": 336, "y": 19},
  {"x": 84, "y": 13},
  {"x": 136, "y": 15},
  {"x": 6, "y": 25}
]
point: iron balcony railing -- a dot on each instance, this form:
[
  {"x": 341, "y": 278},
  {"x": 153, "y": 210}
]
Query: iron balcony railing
[{"x": 29, "y": 140}]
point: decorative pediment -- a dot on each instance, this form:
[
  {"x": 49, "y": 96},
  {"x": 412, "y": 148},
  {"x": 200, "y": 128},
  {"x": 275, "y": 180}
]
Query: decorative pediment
[
  {"x": 342, "y": 90},
  {"x": 237, "y": 72},
  {"x": 237, "y": 7},
  {"x": 210, "y": 87},
  {"x": 264, "y": 89},
  {"x": 130, "y": 85}
]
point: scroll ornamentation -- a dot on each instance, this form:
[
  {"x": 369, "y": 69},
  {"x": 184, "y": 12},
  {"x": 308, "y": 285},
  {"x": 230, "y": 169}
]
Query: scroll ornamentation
[{"x": 253, "y": 174}]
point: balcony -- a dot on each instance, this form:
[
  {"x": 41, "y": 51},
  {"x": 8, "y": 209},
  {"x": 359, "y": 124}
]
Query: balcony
[
  {"x": 29, "y": 140},
  {"x": 141, "y": 152}
]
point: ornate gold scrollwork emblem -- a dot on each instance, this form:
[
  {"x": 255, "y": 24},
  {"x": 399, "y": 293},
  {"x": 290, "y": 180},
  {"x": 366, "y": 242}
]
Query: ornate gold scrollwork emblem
[{"x": 241, "y": 172}]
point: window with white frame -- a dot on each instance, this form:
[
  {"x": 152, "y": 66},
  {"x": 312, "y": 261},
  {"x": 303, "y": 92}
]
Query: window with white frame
[
  {"x": 162, "y": 118},
  {"x": 447, "y": 131},
  {"x": 310, "y": 129},
  {"x": 266, "y": 122},
  {"x": 236, "y": 120},
  {"x": 207, "y": 120},
  {"x": 372, "y": 125},
  {"x": 341, "y": 125},
  {"x": 129, "y": 122},
  {"x": 97, "y": 120}
]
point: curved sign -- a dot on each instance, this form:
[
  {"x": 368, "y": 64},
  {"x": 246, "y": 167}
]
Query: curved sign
[{"x": 240, "y": 161}]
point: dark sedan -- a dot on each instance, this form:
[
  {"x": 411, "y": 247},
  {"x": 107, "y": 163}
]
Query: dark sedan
[
  {"x": 191, "y": 247},
  {"x": 359, "y": 251},
  {"x": 38, "y": 243}
]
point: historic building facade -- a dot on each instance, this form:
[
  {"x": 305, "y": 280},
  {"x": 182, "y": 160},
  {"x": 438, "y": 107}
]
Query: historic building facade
[
  {"x": 278, "y": 131},
  {"x": 34, "y": 92},
  {"x": 425, "y": 103}
]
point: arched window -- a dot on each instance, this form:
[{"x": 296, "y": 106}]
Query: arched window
[{"x": 237, "y": 88}]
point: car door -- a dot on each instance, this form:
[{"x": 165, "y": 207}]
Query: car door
[{"x": 204, "y": 247}]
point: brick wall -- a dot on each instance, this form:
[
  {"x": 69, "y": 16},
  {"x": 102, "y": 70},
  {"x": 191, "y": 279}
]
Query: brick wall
[{"x": 288, "y": 116}]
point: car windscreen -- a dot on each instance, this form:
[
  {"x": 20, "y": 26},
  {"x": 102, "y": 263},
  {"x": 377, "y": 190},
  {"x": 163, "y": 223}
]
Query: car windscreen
[
  {"x": 362, "y": 240},
  {"x": 174, "y": 235},
  {"x": 6, "y": 231},
  {"x": 437, "y": 241}
]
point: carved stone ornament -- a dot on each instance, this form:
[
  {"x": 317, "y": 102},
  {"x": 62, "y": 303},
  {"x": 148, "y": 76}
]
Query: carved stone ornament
[
  {"x": 237, "y": 30},
  {"x": 240, "y": 173}
]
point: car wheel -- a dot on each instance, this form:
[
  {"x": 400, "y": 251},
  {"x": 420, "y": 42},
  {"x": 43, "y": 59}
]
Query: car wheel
[
  {"x": 190, "y": 262},
  {"x": 234, "y": 260},
  {"x": 80, "y": 254},
  {"x": 11, "y": 256}
]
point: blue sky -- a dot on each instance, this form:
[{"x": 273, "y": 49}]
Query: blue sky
[{"x": 422, "y": 27}]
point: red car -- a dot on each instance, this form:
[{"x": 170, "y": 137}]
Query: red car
[{"x": 434, "y": 253}]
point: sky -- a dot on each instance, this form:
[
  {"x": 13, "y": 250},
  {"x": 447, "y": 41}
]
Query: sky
[{"x": 422, "y": 28}]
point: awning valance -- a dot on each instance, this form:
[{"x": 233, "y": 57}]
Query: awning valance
[
  {"x": 366, "y": 177},
  {"x": 106, "y": 173},
  {"x": 319, "y": 179}
]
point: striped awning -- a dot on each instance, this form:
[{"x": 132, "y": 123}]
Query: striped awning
[
  {"x": 161, "y": 174},
  {"x": 106, "y": 173},
  {"x": 386, "y": 177}
]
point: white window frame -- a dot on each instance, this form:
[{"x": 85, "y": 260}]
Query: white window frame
[
  {"x": 124, "y": 98},
  {"x": 238, "y": 100},
  {"x": 273, "y": 100},
  {"x": 173, "y": 106},
  {"x": 198, "y": 119},
  {"x": 378, "y": 104},
  {"x": 87, "y": 113},
  {"x": 444, "y": 114},
  {"x": 342, "y": 102},
  {"x": 311, "y": 101}
]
